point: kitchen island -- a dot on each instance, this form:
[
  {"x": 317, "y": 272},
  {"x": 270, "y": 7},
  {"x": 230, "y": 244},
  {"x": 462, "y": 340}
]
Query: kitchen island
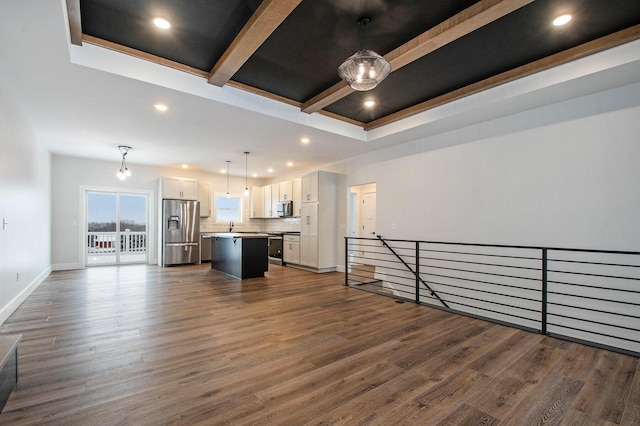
[{"x": 242, "y": 255}]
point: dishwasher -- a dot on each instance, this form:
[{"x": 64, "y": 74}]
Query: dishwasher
[{"x": 205, "y": 248}]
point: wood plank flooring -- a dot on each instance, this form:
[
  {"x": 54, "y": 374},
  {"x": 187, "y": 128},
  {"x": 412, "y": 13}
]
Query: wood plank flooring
[{"x": 188, "y": 345}]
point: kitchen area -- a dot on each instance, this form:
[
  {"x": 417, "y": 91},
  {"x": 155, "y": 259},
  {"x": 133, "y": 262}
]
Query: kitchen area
[{"x": 291, "y": 223}]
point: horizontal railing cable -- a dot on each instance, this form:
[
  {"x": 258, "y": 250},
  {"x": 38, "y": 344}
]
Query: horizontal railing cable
[{"x": 597, "y": 291}]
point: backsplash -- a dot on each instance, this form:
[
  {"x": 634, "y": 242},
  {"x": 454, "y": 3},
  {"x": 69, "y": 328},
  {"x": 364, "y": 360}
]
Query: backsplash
[{"x": 289, "y": 224}]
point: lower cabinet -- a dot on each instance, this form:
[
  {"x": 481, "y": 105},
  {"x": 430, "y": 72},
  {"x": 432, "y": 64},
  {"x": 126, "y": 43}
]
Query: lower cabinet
[
  {"x": 291, "y": 249},
  {"x": 309, "y": 235}
]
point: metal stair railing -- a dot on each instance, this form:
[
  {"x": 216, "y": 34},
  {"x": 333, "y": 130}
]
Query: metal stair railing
[{"x": 582, "y": 295}]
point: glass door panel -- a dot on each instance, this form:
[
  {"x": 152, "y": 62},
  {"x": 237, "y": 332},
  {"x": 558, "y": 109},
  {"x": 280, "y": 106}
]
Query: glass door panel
[
  {"x": 116, "y": 228},
  {"x": 133, "y": 228}
]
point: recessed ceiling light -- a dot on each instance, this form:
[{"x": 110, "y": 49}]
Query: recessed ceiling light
[
  {"x": 270, "y": 170},
  {"x": 255, "y": 175},
  {"x": 161, "y": 107},
  {"x": 185, "y": 166},
  {"x": 305, "y": 140},
  {"x": 369, "y": 104},
  {"x": 162, "y": 23},
  {"x": 561, "y": 20},
  {"x": 223, "y": 171},
  {"x": 290, "y": 164}
]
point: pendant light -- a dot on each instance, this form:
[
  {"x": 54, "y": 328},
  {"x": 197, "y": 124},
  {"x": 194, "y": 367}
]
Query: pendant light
[
  {"x": 124, "y": 172},
  {"x": 365, "y": 69},
  {"x": 228, "y": 162},
  {"x": 246, "y": 179}
]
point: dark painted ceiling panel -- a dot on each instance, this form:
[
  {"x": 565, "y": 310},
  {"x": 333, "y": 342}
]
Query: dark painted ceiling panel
[
  {"x": 300, "y": 58},
  {"x": 519, "y": 38}
]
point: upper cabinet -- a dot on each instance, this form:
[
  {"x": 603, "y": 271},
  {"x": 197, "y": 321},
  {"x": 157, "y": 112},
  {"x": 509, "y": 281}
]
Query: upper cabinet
[
  {"x": 257, "y": 202},
  {"x": 310, "y": 187},
  {"x": 268, "y": 208},
  {"x": 275, "y": 198},
  {"x": 296, "y": 190},
  {"x": 286, "y": 191},
  {"x": 204, "y": 196},
  {"x": 179, "y": 188}
]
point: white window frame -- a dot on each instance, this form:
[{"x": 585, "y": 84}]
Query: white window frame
[{"x": 215, "y": 209}]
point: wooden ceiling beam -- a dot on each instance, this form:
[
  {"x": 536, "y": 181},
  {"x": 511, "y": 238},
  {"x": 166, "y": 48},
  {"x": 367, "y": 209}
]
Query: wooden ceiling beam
[
  {"x": 480, "y": 14},
  {"x": 143, "y": 55},
  {"x": 581, "y": 51},
  {"x": 75, "y": 24},
  {"x": 269, "y": 15}
]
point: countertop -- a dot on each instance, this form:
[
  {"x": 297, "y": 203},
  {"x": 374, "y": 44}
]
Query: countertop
[{"x": 239, "y": 235}]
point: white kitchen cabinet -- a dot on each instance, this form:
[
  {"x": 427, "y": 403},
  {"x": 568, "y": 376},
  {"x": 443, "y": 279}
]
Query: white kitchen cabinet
[
  {"x": 268, "y": 208},
  {"x": 285, "y": 189},
  {"x": 310, "y": 187},
  {"x": 291, "y": 249},
  {"x": 318, "y": 222},
  {"x": 309, "y": 235},
  {"x": 296, "y": 191},
  {"x": 257, "y": 202},
  {"x": 275, "y": 199},
  {"x": 204, "y": 196},
  {"x": 179, "y": 188}
]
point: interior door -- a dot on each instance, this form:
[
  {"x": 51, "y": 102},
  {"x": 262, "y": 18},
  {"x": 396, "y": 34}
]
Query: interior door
[{"x": 368, "y": 218}]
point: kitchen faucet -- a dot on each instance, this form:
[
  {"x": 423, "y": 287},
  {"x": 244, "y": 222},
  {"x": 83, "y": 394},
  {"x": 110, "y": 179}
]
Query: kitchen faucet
[{"x": 230, "y": 226}]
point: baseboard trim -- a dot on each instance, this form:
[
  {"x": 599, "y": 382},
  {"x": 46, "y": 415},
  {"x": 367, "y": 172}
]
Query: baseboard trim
[
  {"x": 10, "y": 307},
  {"x": 66, "y": 266}
]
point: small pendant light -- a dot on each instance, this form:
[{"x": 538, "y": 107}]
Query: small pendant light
[
  {"x": 124, "y": 172},
  {"x": 246, "y": 179},
  {"x": 228, "y": 162}
]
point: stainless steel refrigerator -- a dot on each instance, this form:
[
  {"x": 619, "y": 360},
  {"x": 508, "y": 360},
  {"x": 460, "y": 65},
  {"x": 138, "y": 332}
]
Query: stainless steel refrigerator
[{"x": 181, "y": 232}]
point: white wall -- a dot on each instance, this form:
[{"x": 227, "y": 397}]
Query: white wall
[
  {"x": 565, "y": 175},
  {"x": 69, "y": 174},
  {"x": 24, "y": 204}
]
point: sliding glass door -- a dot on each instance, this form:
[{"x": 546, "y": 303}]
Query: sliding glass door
[{"x": 116, "y": 228}]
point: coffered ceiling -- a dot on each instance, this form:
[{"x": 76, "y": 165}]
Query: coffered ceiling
[
  {"x": 289, "y": 50},
  {"x": 258, "y": 76}
]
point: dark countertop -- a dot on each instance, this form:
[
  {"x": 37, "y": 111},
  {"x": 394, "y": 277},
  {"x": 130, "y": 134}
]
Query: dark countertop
[{"x": 239, "y": 235}]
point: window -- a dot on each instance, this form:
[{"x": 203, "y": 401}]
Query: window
[{"x": 228, "y": 209}]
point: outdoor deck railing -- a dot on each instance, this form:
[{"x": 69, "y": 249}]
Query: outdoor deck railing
[
  {"x": 588, "y": 296},
  {"x": 105, "y": 242}
]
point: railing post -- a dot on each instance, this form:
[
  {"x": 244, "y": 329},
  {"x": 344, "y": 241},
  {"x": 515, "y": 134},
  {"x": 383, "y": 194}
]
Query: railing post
[
  {"x": 544, "y": 292},
  {"x": 418, "y": 272},
  {"x": 346, "y": 261}
]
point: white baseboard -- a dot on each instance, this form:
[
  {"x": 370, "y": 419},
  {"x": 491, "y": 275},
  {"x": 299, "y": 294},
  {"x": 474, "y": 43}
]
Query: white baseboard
[
  {"x": 65, "y": 266},
  {"x": 8, "y": 309}
]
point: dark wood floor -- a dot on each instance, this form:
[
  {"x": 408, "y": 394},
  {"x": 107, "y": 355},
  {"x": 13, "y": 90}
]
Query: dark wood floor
[{"x": 187, "y": 345}]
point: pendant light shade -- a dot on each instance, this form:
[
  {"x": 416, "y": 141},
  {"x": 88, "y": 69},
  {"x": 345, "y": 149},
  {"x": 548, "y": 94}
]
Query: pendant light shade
[
  {"x": 246, "y": 179},
  {"x": 228, "y": 163},
  {"x": 364, "y": 70},
  {"x": 124, "y": 171}
]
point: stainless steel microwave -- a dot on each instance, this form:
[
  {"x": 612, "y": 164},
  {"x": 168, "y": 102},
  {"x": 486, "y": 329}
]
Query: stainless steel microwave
[{"x": 285, "y": 209}]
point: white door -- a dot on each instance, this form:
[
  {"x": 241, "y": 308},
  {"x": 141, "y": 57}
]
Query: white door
[{"x": 368, "y": 212}]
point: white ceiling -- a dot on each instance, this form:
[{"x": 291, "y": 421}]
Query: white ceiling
[{"x": 85, "y": 101}]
